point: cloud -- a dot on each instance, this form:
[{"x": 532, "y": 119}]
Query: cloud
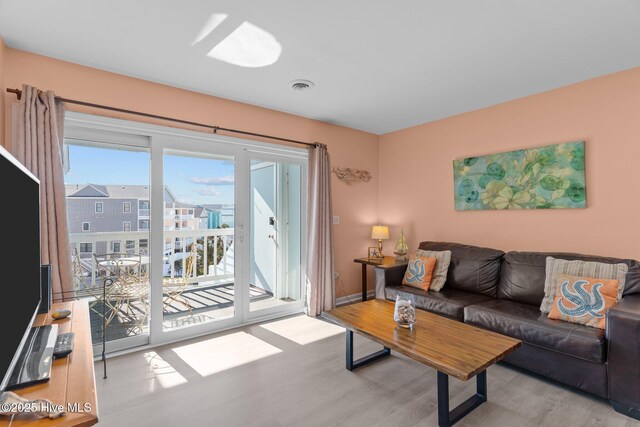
[
  {"x": 211, "y": 191},
  {"x": 220, "y": 180}
]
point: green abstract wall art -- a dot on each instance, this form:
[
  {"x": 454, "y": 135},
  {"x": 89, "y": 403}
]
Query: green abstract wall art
[{"x": 550, "y": 177}]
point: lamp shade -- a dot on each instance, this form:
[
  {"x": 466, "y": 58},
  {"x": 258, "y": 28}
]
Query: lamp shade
[{"x": 380, "y": 232}]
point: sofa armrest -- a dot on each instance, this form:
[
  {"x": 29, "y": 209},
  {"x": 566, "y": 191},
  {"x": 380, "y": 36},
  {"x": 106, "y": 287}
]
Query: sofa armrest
[
  {"x": 388, "y": 276},
  {"x": 623, "y": 342}
]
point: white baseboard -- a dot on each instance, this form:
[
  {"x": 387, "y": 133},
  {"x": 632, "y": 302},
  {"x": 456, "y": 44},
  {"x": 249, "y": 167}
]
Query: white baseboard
[{"x": 349, "y": 299}]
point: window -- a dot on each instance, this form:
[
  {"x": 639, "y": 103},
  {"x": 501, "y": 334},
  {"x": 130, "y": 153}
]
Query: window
[
  {"x": 144, "y": 246},
  {"x": 86, "y": 248},
  {"x": 131, "y": 246},
  {"x": 126, "y": 226},
  {"x": 99, "y": 207},
  {"x": 86, "y": 226},
  {"x": 143, "y": 225},
  {"x": 143, "y": 208},
  {"x": 115, "y": 247},
  {"x": 126, "y": 207}
]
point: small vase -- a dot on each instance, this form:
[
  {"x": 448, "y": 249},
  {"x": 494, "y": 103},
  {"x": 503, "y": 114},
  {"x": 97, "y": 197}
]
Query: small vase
[
  {"x": 401, "y": 256},
  {"x": 405, "y": 312}
]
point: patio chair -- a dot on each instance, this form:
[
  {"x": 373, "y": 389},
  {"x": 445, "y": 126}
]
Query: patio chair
[
  {"x": 173, "y": 288},
  {"x": 127, "y": 296},
  {"x": 81, "y": 274},
  {"x": 84, "y": 284}
]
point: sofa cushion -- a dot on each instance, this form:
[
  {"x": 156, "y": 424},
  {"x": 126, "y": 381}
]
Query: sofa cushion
[
  {"x": 523, "y": 274},
  {"x": 419, "y": 272},
  {"x": 596, "y": 270},
  {"x": 447, "y": 302},
  {"x": 584, "y": 300},
  {"x": 563, "y": 368},
  {"x": 442, "y": 267},
  {"x": 472, "y": 268},
  {"x": 527, "y": 323},
  {"x": 522, "y": 278}
]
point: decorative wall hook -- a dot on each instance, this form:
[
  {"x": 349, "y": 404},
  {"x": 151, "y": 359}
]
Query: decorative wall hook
[{"x": 349, "y": 175}]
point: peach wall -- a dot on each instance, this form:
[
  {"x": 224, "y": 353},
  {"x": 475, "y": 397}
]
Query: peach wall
[
  {"x": 356, "y": 204},
  {"x": 416, "y": 177},
  {"x": 412, "y": 185}
]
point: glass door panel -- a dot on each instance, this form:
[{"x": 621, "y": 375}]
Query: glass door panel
[
  {"x": 199, "y": 252},
  {"x": 275, "y": 206},
  {"x": 107, "y": 189}
]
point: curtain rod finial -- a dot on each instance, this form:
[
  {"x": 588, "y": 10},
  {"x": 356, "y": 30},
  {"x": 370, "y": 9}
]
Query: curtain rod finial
[{"x": 17, "y": 92}]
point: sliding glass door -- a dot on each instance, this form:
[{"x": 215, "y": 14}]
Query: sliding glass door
[
  {"x": 107, "y": 194},
  {"x": 198, "y": 280},
  {"x": 208, "y": 232},
  {"x": 275, "y": 248}
]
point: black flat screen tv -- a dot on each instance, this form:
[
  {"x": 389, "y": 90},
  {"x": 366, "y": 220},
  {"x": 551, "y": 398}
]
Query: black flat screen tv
[{"x": 19, "y": 260}]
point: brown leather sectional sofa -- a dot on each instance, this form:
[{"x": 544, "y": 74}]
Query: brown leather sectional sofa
[{"x": 502, "y": 292}]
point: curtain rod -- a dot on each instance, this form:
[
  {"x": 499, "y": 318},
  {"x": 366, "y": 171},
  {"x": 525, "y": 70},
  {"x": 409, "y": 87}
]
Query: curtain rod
[{"x": 215, "y": 129}]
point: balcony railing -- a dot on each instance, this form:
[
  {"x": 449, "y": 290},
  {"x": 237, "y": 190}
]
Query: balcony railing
[{"x": 213, "y": 262}]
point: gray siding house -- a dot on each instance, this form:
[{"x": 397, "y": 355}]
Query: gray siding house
[
  {"x": 107, "y": 208},
  {"x": 93, "y": 208},
  {"x": 122, "y": 209}
]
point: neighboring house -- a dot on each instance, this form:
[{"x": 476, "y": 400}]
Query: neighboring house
[
  {"x": 180, "y": 216},
  {"x": 93, "y": 208},
  {"x": 219, "y": 214},
  {"x": 107, "y": 208},
  {"x": 123, "y": 209},
  {"x": 202, "y": 215}
]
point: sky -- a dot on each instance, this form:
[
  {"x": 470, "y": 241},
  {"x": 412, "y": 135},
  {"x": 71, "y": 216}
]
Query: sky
[{"x": 194, "y": 180}]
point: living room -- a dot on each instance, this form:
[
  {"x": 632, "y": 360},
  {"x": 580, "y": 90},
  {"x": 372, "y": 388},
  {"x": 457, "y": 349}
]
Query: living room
[{"x": 208, "y": 243}]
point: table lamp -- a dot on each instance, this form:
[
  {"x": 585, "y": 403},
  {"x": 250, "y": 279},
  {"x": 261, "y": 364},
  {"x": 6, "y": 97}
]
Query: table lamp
[{"x": 380, "y": 232}]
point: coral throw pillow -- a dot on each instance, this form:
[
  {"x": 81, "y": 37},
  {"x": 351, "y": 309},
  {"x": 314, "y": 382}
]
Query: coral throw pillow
[
  {"x": 443, "y": 259},
  {"x": 555, "y": 266},
  {"x": 583, "y": 300},
  {"x": 419, "y": 272}
]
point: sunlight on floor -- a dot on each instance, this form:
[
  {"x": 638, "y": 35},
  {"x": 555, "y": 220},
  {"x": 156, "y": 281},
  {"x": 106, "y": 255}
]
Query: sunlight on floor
[
  {"x": 303, "y": 329},
  {"x": 162, "y": 372},
  {"x": 224, "y": 352}
]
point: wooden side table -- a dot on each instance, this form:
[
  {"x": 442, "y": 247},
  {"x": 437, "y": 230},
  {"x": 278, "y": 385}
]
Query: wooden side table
[
  {"x": 384, "y": 263},
  {"x": 72, "y": 382}
]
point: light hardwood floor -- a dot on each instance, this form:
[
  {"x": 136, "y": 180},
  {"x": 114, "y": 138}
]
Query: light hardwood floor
[{"x": 291, "y": 372}]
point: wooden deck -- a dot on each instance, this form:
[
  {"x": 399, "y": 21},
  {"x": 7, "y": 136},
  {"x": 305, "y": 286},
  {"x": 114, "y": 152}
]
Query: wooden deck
[{"x": 207, "y": 302}]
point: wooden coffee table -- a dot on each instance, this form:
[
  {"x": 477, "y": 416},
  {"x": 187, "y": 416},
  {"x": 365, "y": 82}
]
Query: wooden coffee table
[{"x": 452, "y": 348}]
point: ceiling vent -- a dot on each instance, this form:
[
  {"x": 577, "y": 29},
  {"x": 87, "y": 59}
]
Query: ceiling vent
[{"x": 301, "y": 85}]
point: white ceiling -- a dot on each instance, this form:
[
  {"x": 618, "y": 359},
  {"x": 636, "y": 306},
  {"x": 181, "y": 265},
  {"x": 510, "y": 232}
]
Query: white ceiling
[{"x": 378, "y": 65}]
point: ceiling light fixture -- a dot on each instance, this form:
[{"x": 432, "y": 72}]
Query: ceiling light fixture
[{"x": 300, "y": 85}]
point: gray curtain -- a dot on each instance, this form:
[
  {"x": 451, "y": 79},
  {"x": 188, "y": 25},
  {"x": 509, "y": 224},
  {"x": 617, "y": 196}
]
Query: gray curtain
[
  {"x": 321, "y": 293},
  {"x": 38, "y": 143}
]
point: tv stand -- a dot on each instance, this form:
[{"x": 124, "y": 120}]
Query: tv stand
[
  {"x": 72, "y": 385},
  {"x": 34, "y": 364}
]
